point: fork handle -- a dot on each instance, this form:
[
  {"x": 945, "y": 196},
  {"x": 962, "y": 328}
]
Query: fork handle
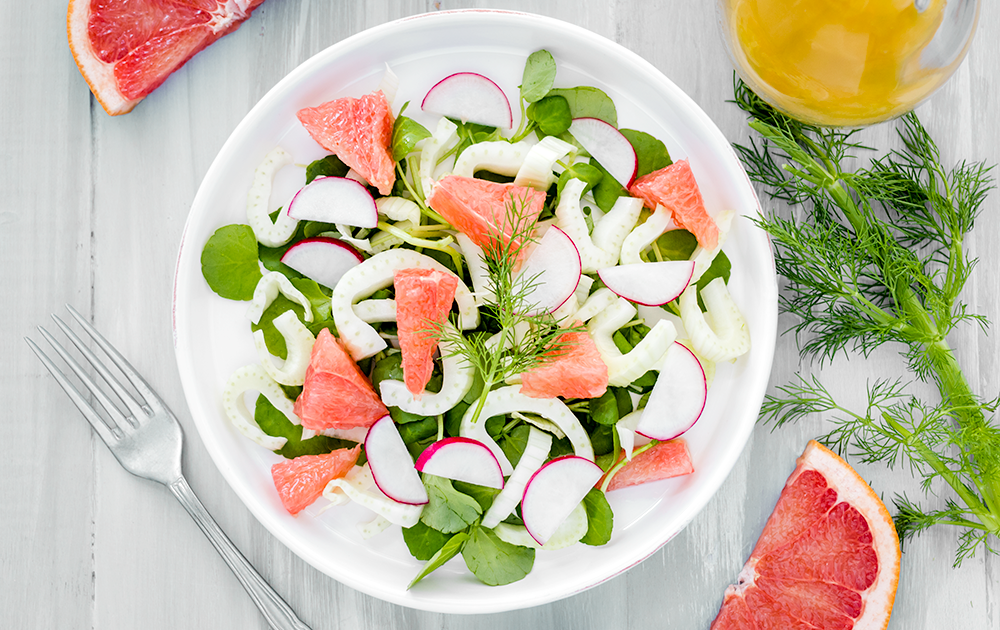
[{"x": 278, "y": 614}]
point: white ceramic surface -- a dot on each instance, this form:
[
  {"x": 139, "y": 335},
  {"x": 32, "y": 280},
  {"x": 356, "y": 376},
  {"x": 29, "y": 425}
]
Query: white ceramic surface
[{"x": 211, "y": 335}]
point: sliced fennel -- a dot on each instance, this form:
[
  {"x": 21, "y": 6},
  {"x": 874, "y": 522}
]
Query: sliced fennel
[
  {"x": 611, "y": 231},
  {"x": 569, "y": 217},
  {"x": 625, "y": 368},
  {"x": 727, "y": 337},
  {"x": 536, "y": 451},
  {"x": 643, "y": 235},
  {"x": 458, "y": 379},
  {"x": 703, "y": 257},
  {"x": 569, "y": 533},
  {"x": 376, "y": 311},
  {"x": 366, "y": 494},
  {"x": 398, "y": 209},
  {"x": 537, "y": 170},
  {"x": 268, "y": 233},
  {"x": 298, "y": 342},
  {"x": 268, "y": 288},
  {"x": 254, "y": 378},
  {"x": 475, "y": 261},
  {"x": 444, "y": 136},
  {"x": 500, "y": 157}
]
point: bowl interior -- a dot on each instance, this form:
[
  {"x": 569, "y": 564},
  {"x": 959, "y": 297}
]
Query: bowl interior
[{"x": 212, "y": 338}]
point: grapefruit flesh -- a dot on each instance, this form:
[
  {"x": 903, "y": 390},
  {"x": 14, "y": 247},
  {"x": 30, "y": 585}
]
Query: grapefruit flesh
[
  {"x": 675, "y": 188},
  {"x": 574, "y": 371},
  {"x": 828, "y": 556},
  {"x": 359, "y": 132},
  {"x": 301, "y": 481},
  {"x": 661, "y": 461},
  {"x": 126, "y": 48},
  {"x": 336, "y": 394},
  {"x": 423, "y": 301},
  {"x": 485, "y": 210}
]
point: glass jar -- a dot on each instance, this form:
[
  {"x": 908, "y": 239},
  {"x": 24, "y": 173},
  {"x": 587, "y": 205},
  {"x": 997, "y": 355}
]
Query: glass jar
[{"x": 847, "y": 62}]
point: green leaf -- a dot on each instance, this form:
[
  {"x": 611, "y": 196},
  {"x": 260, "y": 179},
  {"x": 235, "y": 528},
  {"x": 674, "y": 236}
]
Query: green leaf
[
  {"x": 604, "y": 410},
  {"x": 406, "y": 133},
  {"x": 588, "y": 102},
  {"x": 448, "y": 551},
  {"x": 720, "y": 268},
  {"x": 651, "y": 153},
  {"x": 447, "y": 509},
  {"x": 600, "y": 518},
  {"x": 514, "y": 443},
  {"x": 608, "y": 190},
  {"x": 276, "y": 424},
  {"x": 330, "y": 166},
  {"x": 423, "y": 541},
  {"x": 483, "y": 495},
  {"x": 539, "y": 75},
  {"x": 273, "y": 339},
  {"x": 624, "y": 401},
  {"x": 676, "y": 245},
  {"x": 591, "y": 175},
  {"x": 552, "y": 115},
  {"x": 229, "y": 262},
  {"x": 494, "y": 561}
]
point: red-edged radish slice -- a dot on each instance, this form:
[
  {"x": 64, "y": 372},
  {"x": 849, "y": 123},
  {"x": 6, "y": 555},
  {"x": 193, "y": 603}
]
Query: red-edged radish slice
[
  {"x": 462, "y": 459},
  {"x": 334, "y": 200},
  {"x": 554, "y": 491},
  {"x": 551, "y": 273},
  {"x": 391, "y": 464},
  {"x": 649, "y": 284},
  {"x": 469, "y": 97},
  {"x": 323, "y": 259},
  {"x": 677, "y": 399},
  {"x": 608, "y": 146}
]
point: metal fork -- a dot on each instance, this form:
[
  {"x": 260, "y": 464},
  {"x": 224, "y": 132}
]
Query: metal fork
[{"x": 147, "y": 442}]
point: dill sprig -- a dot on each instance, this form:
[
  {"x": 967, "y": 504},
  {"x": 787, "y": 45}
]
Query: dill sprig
[
  {"x": 874, "y": 255},
  {"x": 527, "y": 338}
]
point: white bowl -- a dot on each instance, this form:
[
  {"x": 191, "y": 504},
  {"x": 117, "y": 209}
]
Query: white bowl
[{"x": 212, "y": 337}]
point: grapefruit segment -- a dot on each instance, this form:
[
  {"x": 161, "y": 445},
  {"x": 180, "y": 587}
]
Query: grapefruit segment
[
  {"x": 359, "y": 132},
  {"x": 574, "y": 371},
  {"x": 126, "y": 48},
  {"x": 828, "y": 556},
  {"x": 335, "y": 394},
  {"x": 661, "y": 461},
  {"x": 675, "y": 188},
  {"x": 423, "y": 301},
  {"x": 301, "y": 481},
  {"x": 482, "y": 209}
]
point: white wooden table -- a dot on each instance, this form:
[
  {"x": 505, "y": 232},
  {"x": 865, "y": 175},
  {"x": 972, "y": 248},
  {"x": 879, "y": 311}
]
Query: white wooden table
[{"x": 92, "y": 212}]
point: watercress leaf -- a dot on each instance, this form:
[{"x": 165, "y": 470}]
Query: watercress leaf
[
  {"x": 539, "y": 75},
  {"x": 608, "y": 190},
  {"x": 720, "y": 268},
  {"x": 551, "y": 114},
  {"x": 318, "y": 300},
  {"x": 560, "y": 447},
  {"x": 624, "y": 401},
  {"x": 448, "y": 551},
  {"x": 650, "y": 152},
  {"x": 676, "y": 245},
  {"x": 591, "y": 176},
  {"x": 600, "y": 518},
  {"x": 588, "y": 102},
  {"x": 330, "y": 166},
  {"x": 447, "y": 509},
  {"x": 602, "y": 438},
  {"x": 276, "y": 424},
  {"x": 229, "y": 262},
  {"x": 415, "y": 429},
  {"x": 406, "y": 133},
  {"x": 621, "y": 342},
  {"x": 423, "y": 541},
  {"x": 494, "y": 561},
  {"x": 604, "y": 410},
  {"x": 514, "y": 443},
  {"x": 483, "y": 495},
  {"x": 273, "y": 339}
]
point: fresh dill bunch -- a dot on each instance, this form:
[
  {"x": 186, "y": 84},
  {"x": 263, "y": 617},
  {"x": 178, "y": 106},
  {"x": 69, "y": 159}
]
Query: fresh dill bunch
[
  {"x": 873, "y": 255},
  {"x": 527, "y": 337}
]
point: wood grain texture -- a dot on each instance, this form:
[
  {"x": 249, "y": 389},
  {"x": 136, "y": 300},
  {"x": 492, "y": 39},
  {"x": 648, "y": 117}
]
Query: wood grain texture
[{"x": 93, "y": 210}]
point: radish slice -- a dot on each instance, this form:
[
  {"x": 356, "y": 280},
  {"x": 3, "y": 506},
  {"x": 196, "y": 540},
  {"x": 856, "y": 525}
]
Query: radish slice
[
  {"x": 554, "y": 491},
  {"x": 268, "y": 233},
  {"x": 551, "y": 273},
  {"x": 595, "y": 304},
  {"x": 569, "y": 218},
  {"x": 254, "y": 378},
  {"x": 625, "y": 368},
  {"x": 611, "y": 231},
  {"x": 469, "y": 97},
  {"x": 355, "y": 488},
  {"x": 537, "y": 171},
  {"x": 508, "y": 399},
  {"x": 323, "y": 259},
  {"x": 569, "y": 533},
  {"x": 444, "y": 136},
  {"x": 649, "y": 284},
  {"x": 728, "y": 337},
  {"x": 268, "y": 288},
  {"x": 500, "y": 157},
  {"x": 334, "y": 200},
  {"x": 644, "y": 234},
  {"x": 703, "y": 257},
  {"x": 458, "y": 378},
  {"x": 398, "y": 209},
  {"x": 462, "y": 459},
  {"x": 298, "y": 342},
  {"x": 391, "y": 464},
  {"x": 377, "y": 273},
  {"x": 376, "y": 311},
  {"x": 677, "y": 399},
  {"x": 536, "y": 451},
  {"x": 608, "y": 146}
]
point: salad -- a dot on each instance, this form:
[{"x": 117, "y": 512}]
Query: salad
[{"x": 474, "y": 330}]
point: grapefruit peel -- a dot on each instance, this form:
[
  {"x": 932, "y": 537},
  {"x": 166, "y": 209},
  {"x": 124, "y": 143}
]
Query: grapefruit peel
[
  {"x": 298, "y": 343},
  {"x": 269, "y": 233},
  {"x": 268, "y": 288}
]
